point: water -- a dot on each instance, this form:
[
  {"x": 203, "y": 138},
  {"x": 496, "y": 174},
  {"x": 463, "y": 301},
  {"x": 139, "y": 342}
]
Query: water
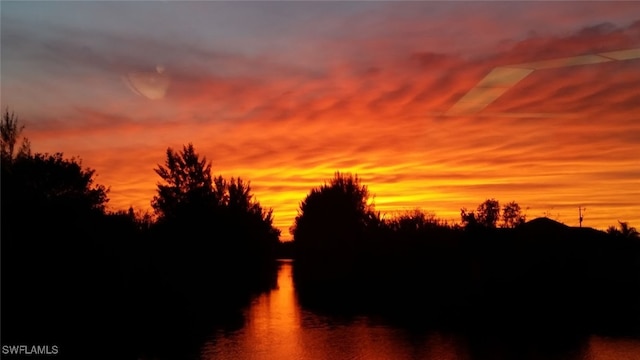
[{"x": 277, "y": 327}]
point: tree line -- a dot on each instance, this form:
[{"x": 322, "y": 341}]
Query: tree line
[
  {"x": 493, "y": 270},
  {"x": 69, "y": 264},
  {"x": 77, "y": 275}
]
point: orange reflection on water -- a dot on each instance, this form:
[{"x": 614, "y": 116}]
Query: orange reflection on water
[
  {"x": 278, "y": 328},
  {"x": 274, "y": 321},
  {"x": 605, "y": 348},
  {"x": 272, "y": 328}
]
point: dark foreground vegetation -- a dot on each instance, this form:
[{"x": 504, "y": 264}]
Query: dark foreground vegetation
[
  {"x": 492, "y": 271},
  {"x": 100, "y": 284},
  {"x": 121, "y": 285}
]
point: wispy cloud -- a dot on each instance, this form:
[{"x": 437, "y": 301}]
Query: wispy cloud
[{"x": 367, "y": 96}]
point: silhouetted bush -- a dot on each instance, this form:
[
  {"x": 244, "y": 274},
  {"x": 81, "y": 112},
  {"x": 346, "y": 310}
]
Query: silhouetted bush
[
  {"x": 84, "y": 279},
  {"x": 213, "y": 244},
  {"x": 526, "y": 275}
]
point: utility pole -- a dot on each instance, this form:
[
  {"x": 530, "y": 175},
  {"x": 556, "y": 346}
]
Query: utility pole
[{"x": 580, "y": 215}]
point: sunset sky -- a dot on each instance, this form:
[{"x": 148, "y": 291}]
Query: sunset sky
[{"x": 434, "y": 105}]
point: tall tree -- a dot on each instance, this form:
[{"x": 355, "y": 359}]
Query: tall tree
[
  {"x": 212, "y": 237},
  {"x": 44, "y": 187},
  {"x": 189, "y": 195},
  {"x": 468, "y": 218},
  {"x": 488, "y": 213},
  {"x": 45, "y": 181},
  {"x": 330, "y": 234},
  {"x": 333, "y": 215},
  {"x": 187, "y": 187},
  {"x": 10, "y": 133},
  {"x": 248, "y": 221},
  {"x": 512, "y": 215},
  {"x": 54, "y": 239}
]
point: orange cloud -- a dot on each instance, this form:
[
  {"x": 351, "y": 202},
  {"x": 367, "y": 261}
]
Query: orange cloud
[{"x": 375, "y": 105}]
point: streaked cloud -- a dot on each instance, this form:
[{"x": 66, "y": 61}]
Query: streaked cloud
[{"x": 365, "y": 88}]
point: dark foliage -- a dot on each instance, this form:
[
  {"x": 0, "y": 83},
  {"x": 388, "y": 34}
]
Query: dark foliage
[
  {"x": 10, "y": 133},
  {"x": 217, "y": 220},
  {"x": 213, "y": 246},
  {"x": 187, "y": 187},
  {"x": 85, "y": 279},
  {"x": 76, "y": 275},
  {"x": 525, "y": 276},
  {"x": 55, "y": 273},
  {"x": 330, "y": 230},
  {"x": 338, "y": 211},
  {"x": 512, "y": 215}
]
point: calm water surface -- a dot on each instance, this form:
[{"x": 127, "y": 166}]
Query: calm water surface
[{"x": 278, "y": 328}]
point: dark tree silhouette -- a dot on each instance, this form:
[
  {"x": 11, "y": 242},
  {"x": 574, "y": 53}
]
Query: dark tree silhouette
[
  {"x": 413, "y": 223},
  {"x": 10, "y": 133},
  {"x": 330, "y": 236},
  {"x": 488, "y": 213},
  {"x": 189, "y": 192},
  {"x": 48, "y": 181},
  {"x": 55, "y": 272},
  {"x": 468, "y": 218},
  {"x": 188, "y": 186},
  {"x": 336, "y": 213},
  {"x": 210, "y": 231},
  {"x": 512, "y": 215},
  {"x": 248, "y": 223},
  {"x": 625, "y": 231}
]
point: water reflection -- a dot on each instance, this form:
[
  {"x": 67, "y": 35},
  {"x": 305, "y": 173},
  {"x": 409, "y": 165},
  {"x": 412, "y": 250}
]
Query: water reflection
[
  {"x": 272, "y": 327},
  {"x": 277, "y": 327},
  {"x": 604, "y": 348}
]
